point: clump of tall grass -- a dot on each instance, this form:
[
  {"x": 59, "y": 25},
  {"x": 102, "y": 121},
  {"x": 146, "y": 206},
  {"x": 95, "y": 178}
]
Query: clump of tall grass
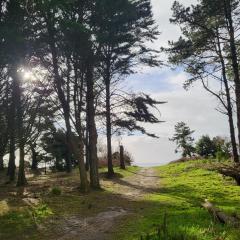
[{"x": 162, "y": 233}]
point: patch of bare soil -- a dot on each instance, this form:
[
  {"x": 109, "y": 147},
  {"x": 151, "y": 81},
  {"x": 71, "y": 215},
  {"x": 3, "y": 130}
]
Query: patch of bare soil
[
  {"x": 101, "y": 226},
  {"x": 137, "y": 186},
  {"x": 97, "y": 227}
]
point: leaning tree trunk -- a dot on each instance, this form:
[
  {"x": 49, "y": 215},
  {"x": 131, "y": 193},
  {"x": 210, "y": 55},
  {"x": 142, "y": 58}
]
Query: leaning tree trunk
[
  {"x": 109, "y": 129},
  {"x": 59, "y": 88},
  {"x": 72, "y": 148},
  {"x": 92, "y": 131}
]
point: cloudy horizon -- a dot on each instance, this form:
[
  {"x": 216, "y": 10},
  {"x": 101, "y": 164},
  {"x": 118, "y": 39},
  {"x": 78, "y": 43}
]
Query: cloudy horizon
[{"x": 196, "y": 107}]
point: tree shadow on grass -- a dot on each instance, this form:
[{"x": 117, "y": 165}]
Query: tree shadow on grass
[{"x": 142, "y": 215}]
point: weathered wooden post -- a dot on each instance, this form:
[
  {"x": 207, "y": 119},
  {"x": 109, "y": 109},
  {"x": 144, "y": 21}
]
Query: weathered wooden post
[{"x": 122, "y": 162}]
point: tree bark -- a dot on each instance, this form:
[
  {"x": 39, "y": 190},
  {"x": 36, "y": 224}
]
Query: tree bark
[
  {"x": 219, "y": 215},
  {"x": 87, "y": 166},
  {"x": 122, "y": 162},
  {"x": 20, "y": 128},
  {"x": 68, "y": 140},
  {"x": 109, "y": 128},
  {"x": 21, "y": 172},
  {"x": 11, "y": 163},
  {"x": 34, "y": 166},
  {"x": 84, "y": 185},
  {"x": 234, "y": 58},
  {"x": 58, "y": 83},
  {"x": 229, "y": 105},
  {"x": 72, "y": 146},
  {"x": 92, "y": 131},
  {"x": 1, "y": 163},
  {"x": 12, "y": 131}
]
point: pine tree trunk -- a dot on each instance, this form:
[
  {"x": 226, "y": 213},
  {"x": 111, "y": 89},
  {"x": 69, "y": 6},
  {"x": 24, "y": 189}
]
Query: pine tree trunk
[
  {"x": 87, "y": 166},
  {"x": 122, "y": 162},
  {"x": 34, "y": 166},
  {"x": 20, "y": 128},
  {"x": 58, "y": 83},
  {"x": 234, "y": 58},
  {"x": 92, "y": 131},
  {"x": 1, "y": 163},
  {"x": 109, "y": 129},
  {"x": 78, "y": 149},
  {"x": 11, "y": 163},
  {"x": 68, "y": 140},
  {"x": 228, "y": 105},
  {"x": 12, "y": 132},
  {"x": 84, "y": 185},
  {"x": 3, "y": 151},
  {"x": 21, "y": 172}
]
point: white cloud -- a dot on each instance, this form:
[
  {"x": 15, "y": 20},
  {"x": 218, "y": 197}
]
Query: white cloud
[{"x": 195, "y": 107}]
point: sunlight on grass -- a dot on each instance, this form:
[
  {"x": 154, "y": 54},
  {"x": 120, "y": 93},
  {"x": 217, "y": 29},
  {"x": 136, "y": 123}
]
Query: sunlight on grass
[
  {"x": 4, "y": 208},
  {"x": 183, "y": 187}
]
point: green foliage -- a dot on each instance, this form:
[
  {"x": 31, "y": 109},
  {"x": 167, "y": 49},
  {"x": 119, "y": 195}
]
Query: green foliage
[
  {"x": 221, "y": 156},
  {"x": 56, "y": 191},
  {"x": 15, "y": 224},
  {"x": 42, "y": 211},
  {"x": 223, "y": 148},
  {"x": 183, "y": 138},
  {"x": 54, "y": 143},
  {"x": 206, "y": 147}
]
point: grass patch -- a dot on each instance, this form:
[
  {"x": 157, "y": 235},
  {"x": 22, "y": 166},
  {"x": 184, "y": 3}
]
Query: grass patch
[
  {"x": 183, "y": 187},
  {"x": 20, "y": 224}
]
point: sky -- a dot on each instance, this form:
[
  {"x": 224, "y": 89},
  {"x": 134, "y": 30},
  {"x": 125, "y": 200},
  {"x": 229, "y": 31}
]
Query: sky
[{"x": 195, "y": 107}]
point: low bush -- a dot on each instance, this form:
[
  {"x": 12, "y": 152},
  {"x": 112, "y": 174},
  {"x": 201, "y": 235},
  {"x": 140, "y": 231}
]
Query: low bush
[{"x": 56, "y": 191}]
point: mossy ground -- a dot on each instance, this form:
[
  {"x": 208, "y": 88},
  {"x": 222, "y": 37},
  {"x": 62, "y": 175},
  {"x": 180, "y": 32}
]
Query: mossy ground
[{"x": 182, "y": 188}]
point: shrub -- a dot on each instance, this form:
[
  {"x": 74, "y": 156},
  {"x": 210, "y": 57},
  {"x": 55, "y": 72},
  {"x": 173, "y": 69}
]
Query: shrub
[
  {"x": 206, "y": 147},
  {"x": 42, "y": 211},
  {"x": 56, "y": 191}
]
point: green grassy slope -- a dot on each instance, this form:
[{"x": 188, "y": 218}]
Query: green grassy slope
[{"x": 183, "y": 187}]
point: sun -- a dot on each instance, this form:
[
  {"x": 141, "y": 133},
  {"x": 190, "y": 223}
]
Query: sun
[{"x": 27, "y": 75}]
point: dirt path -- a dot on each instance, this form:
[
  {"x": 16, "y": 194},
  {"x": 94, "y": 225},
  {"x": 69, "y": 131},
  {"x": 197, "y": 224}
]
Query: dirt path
[
  {"x": 137, "y": 186},
  {"x": 99, "y": 227}
]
